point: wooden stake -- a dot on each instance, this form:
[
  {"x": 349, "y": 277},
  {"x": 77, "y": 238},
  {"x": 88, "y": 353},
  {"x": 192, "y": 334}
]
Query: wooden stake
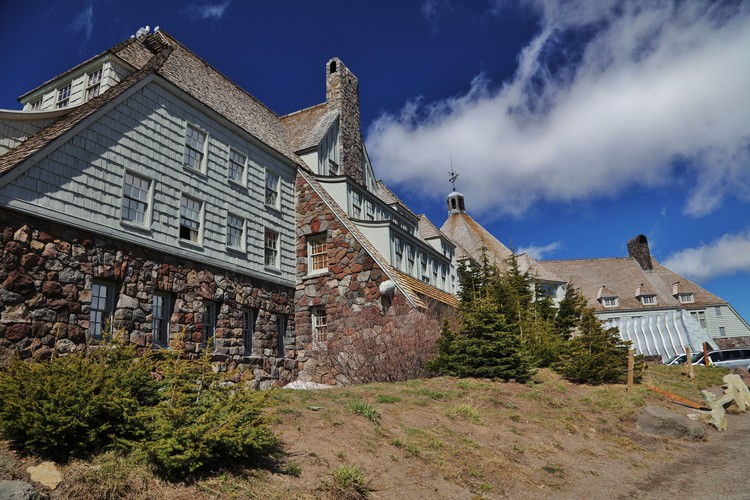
[
  {"x": 631, "y": 364},
  {"x": 705, "y": 353},
  {"x": 689, "y": 361},
  {"x": 676, "y": 398}
]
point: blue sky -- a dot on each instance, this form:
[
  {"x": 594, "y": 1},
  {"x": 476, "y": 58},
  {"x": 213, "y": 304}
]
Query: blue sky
[{"x": 575, "y": 125}]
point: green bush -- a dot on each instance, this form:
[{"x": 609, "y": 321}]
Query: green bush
[
  {"x": 75, "y": 405},
  {"x": 175, "y": 413}
]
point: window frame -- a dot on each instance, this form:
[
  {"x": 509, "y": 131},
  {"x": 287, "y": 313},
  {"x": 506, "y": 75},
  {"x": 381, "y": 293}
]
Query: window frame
[
  {"x": 272, "y": 197},
  {"x": 129, "y": 197},
  {"x": 160, "y": 332},
  {"x": 648, "y": 300},
  {"x": 398, "y": 253},
  {"x": 722, "y": 331},
  {"x": 242, "y": 227},
  {"x": 93, "y": 89},
  {"x": 312, "y": 241},
  {"x": 686, "y": 297},
  {"x": 273, "y": 249},
  {"x": 369, "y": 211},
  {"x": 199, "y": 231},
  {"x": 356, "y": 202},
  {"x": 717, "y": 311},
  {"x": 319, "y": 326},
  {"x": 281, "y": 320},
  {"x": 610, "y": 302},
  {"x": 104, "y": 312},
  {"x": 209, "y": 319},
  {"x": 249, "y": 320},
  {"x": 187, "y": 158},
  {"x": 243, "y": 167},
  {"x": 62, "y": 95}
]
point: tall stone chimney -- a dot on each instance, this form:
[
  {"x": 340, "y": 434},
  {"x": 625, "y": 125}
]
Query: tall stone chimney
[
  {"x": 638, "y": 249},
  {"x": 342, "y": 94}
]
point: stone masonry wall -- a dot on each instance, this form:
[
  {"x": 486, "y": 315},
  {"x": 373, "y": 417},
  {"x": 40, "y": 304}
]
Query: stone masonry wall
[
  {"x": 732, "y": 342},
  {"x": 342, "y": 93},
  {"x": 361, "y": 331},
  {"x": 46, "y": 273}
]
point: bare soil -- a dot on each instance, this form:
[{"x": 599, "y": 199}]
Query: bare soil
[{"x": 465, "y": 439}]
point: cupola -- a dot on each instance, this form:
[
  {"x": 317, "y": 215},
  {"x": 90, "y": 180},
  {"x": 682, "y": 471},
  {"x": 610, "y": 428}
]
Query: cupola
[{"x": 456, "y": 203}]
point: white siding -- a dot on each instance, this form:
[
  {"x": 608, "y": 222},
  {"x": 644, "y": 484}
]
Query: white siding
[
  {"x": 145, "y": 134},
  {"x": 14, "y": 132}
]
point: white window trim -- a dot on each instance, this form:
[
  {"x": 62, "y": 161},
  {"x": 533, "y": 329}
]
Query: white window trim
[
  {"x": 277, "y": 202},
  {"x": 310, "y": 241},
  {"x": 275, "y": 266},
  {"x": 149, "y": 202},
  {"x": 204, "y": 151},
  {"x": 648, "y": 300},
  {"x": 686, "y": 298},
  {"x": 243, "y": 233},
  {"x": 319, "y": 332},
  {"x": 95, "y": 85},
  {"x": 64, "y": 102},
  {"x": 614, "y": 300},
  {"x": 201, "y": 222},
  {"x": 243, "y": 174}
]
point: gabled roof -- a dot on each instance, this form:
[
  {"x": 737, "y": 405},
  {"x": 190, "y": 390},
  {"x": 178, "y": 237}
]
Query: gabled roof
[
  {"x": 427, "y": 229},
  {"x": 409, "y": 286},
  {"x": 622, "y": 276},
  {"x": 161, "y": 54},
  {"x": 385, "y": 194},
  {"x": 305, "y": 129}
]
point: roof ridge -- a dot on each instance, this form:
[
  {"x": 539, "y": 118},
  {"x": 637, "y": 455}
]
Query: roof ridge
[{"x": 281, "y": 117}]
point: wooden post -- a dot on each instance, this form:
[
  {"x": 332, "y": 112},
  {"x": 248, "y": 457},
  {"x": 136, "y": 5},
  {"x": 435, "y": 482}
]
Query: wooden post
[
  {"x": 631, "y": 364},
  {"x": 689, "y": 361},
  {"x": 705, "y": 353}
]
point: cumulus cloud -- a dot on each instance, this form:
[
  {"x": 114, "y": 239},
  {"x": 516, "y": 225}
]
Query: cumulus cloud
[
  {"x": 607, "y": 96},
  {"x": 539, "y": 252},
  {"x": 728, "y": 255},
  {"x": 84, "y": 21},
  {"x": 212, "y": 12}
]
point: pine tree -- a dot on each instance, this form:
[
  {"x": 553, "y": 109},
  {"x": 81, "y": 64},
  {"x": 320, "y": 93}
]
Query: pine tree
[{"x": 569, "y": 312}]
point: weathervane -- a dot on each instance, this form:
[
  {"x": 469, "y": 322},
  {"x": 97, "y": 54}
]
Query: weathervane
[{"x": 453, "y": 175}]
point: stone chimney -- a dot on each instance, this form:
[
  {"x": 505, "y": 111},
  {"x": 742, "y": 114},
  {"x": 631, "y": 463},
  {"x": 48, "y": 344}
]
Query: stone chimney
[
  {"x": 638, "y": 249},
  {"x": 342, "y": 94}
]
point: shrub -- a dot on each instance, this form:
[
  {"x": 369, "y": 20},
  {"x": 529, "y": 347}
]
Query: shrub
[
  {"x": 75, "y": 405},
  {"x": 365, "y": 409},
  {"x": 348, "y": 483}
]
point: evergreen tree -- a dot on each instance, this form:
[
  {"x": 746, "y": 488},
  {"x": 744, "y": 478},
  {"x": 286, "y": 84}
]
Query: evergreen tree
[
  {"x": 596, "y": 356},
  {"x": 569, "y": 312}
]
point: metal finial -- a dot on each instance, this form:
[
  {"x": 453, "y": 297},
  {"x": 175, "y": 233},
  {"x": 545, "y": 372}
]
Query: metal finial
[{"x": 453, "y": 175}]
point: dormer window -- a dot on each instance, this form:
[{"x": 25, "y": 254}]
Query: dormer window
[
  {"x": 94, "y": 84},
  {"x": 610, "y": 301},
  {"x": 686, "y": 298},
  {"x": 36, "y": 106},
  {"x": 648, "y": 300},
  {"x": 63, "y": 97}
]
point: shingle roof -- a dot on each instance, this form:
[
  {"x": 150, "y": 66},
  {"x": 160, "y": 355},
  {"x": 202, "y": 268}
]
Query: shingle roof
[
  {"x": 475, "y": 239},
  {"x": 424, "y": 289},
  {"x": 385, "y": 194},
  {"x": 305, "y": 129},
  {"x": 622, "y": 276},
  {"x": 427, "y": 229}
]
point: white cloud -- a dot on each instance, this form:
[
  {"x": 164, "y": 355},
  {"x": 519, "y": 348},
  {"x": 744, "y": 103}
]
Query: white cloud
[
  {"x": 433, "y": 10},
  {"x": 208, "y": 11},
  {"x": 651, "y": 93},
  {"x": 84, "y": 21},
  {"x": 729, "y": 254},
  {"x": 538, "y": 252}
]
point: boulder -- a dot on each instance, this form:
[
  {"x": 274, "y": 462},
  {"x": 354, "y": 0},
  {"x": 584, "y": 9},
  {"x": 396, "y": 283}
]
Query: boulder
[
  {"x": 663, "y": 422},
  {"x": 18, "y": 490}
]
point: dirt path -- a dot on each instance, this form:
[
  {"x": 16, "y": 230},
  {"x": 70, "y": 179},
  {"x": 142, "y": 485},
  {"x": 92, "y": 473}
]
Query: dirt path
[{"x": 719, "y": 468}]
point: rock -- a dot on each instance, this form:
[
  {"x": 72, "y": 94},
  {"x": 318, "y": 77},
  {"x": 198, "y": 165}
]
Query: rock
[
  {"x": 46, "y": 474},
  {"x": 127, "y": 302},
  {"x": 18, "y": 490},
  {"x": 667, "y": 423},
  {"x": 20, "y": 283},
  {"x": 8, "y": 297},
  {"x": 70, "y": 275}
]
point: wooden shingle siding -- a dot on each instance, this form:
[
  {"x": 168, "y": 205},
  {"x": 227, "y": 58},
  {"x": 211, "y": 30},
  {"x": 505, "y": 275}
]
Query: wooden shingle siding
[
  {"x": 145, "y": 134},
  {"x": 14, "y": 132}
]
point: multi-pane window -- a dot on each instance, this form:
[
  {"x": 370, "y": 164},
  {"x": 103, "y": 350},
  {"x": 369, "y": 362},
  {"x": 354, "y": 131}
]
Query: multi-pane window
[
  {"x": 94, "y": 84},
  {"x": 686, "y": 298},
  {"x": 356, "y": 205},
  {"x": 36, "y": 105},
  {"x": 369, "y": 211},
  {"x": 609, "y": 301},
  {"x": 208, "y": 323},
  {"x": 398, "y": 250},
  {"x": 280, "y": 335},
  {"x": 718, "y": 310},
  {"x": 317, "y": 251},
  {"x": 235, "y": 231},
  {"x": 63, "y": 97},
  {"x": 195, "y": 148},
  {"x": 701, "y": 317},
  {"x": 648, "y": 299},
  {"x": 102, "y": 305},
  {"x": 319, "y": 326},
  {"x": 190, "y": 219},
  {"x": 272, "y": 248},
  {"x": 722, "y": 331},
  {"x": 410, "y": 256},
  {"x": 272, "y": 189},
  {"x": 135, "y": 194},
  {"x": 160, "y": 312},
  {"x": 434, "y": 272},
  {"x": 248, "y": 328},
  {"x": 237, "y": 163}
]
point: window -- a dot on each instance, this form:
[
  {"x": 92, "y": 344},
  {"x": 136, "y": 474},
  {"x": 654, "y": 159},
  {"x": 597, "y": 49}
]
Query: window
[
  {"x": 434, "y": 271},
  {"x": 272, "y": 189},
  {"x": 700, "y": 316},
  {"x": 610, "y": 302},
  {"x": 280, "y": 335},
  {"x": 135, "y": 195},
  {"x": 248, "y": 328},
  {"x": 648, "y": 299},
  {"x": 717, "y": 309},
  {"x": 236, "y": 168},
  {"x": 102, "y": 306},
  {"x": 443, "y": 274},
  {"x": 319, "y": 326},
  {"x": 272, "y": 248},
  {"x": 94, "y": 84},
  {"x": 369, "y": 211},
  {"x": 63, "y": 97},
  {"x": 160, "y": 312},
  {"x": 410, "y": 256},
  {"x": 195, "y": 148},
  {"x": 333, "y": 167},
  {"x": 235, "y": 232},
  {"x": 190, "y": 219},
  {"x": 317, "y": 252},
  {"x": 722, "y": 331},
  {"x": 208, "y": 324},
  {"x": 36, "y": 105},
  {"x": 686, "y": 298},
  {"x": 356, "y": 205},
  {"x": 398, "y": 248}
]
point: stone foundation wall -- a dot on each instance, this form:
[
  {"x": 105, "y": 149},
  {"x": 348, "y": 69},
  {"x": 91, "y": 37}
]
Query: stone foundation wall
[
  {"x": 46, "y": 276},
  {"x": 363, "y": 336},
  {"x": 732, "y": 342}
]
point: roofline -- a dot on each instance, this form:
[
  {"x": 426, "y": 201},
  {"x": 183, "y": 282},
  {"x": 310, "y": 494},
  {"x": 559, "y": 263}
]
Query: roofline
[
  {"x": 281, "y": 117},
  {"x": 18, "y": 115}
]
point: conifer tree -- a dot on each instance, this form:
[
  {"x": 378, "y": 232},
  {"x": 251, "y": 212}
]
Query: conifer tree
[{"x": 569, "y": 312}]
